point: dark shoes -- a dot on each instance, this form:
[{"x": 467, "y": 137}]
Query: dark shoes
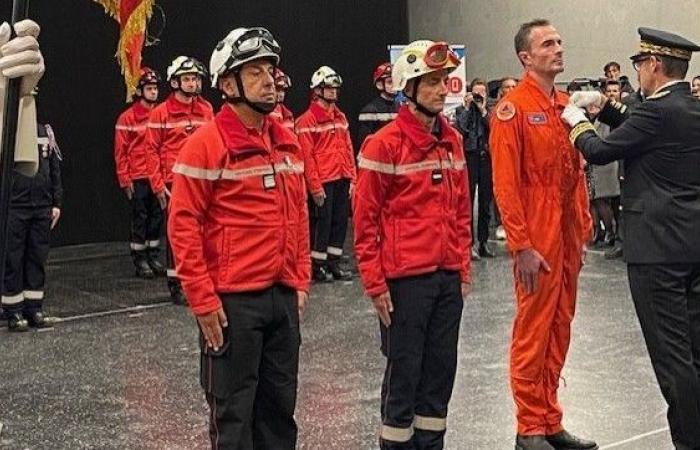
[
  {"x": 560, "y": 441},
  {"x": 485, "y": 251},
  {"x": 320, "y": 273},
  {"x": 337, "y": 272},
  {"x": 532, "y": 443},
  {"x": 567, "y": 441},
  {"x": 156, "y": 266},
  {"x": 36, "y": 319},
  {"x": 615, "y": 252},
  {"x": 143, "y": 269},
  {"x": 16, "y": 322}
]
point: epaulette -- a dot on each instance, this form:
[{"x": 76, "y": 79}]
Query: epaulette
[{"x": 620, "y": 107}]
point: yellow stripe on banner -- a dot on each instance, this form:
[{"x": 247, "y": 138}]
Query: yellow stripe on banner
[{"x": 135, "y": 25}]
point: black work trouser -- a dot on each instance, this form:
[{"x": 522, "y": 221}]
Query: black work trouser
[
  {"x": 421, "y": 350},
  {"x": 332, "y": 221},
  {"x": 146, "y": 217},
  {"x": 479, "y": 166},
  {"x": 667, "y": 300},
  {"x": 173, "y": 280},
  {"x": 25, "y": 262},
  {"x": 251, "y": 382}
]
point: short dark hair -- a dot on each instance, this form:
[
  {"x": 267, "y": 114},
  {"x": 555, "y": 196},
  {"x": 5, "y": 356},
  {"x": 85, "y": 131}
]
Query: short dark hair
[
  {"x": 504, "y": 79},
  {"x": 609, "y": 65},
  {"x": 522, "y": 37},
  {"x": 611, "y": 82},
  {"x": 477, "y": 82},
  {"x": 673, "y": 67}
]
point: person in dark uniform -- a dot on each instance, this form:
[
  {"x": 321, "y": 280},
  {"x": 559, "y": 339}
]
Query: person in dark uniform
[
  {"x": 35, "y": 208},
  {"x": 660, "y": 144},
  {"x": 382, "y": 109}
]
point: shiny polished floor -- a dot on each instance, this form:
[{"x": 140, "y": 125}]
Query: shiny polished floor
[{"x": 119, "y": 371}]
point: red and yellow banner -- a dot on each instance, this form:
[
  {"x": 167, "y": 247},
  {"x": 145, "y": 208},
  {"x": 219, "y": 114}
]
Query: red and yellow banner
[{"x": 132, "y": 16}]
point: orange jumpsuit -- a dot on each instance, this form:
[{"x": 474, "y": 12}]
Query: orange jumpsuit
[{"x": 541, "y": 193}]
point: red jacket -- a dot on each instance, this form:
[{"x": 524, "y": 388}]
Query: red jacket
[
  {"x": 131, "y": 156},
  {"x": 412, "y": 213},
  {"x": 169, "y": 126},
  {"x": 238, "y": 216},
  {"x": 325, "y": 140},
  {"x": 283, "y": 115}
]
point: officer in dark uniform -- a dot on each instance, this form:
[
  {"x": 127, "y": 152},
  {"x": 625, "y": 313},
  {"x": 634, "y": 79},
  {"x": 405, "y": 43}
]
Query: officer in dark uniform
[
  {"x": 34, "y": 210},
  {"x": 382, "y": 109},
  {"x": 660, "y": 144}
]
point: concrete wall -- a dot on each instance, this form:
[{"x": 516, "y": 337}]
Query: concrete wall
[{"x": 594, "y": 31}]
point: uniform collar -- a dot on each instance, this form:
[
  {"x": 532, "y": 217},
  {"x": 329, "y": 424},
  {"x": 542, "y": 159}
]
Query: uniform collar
[
  {"x": 140, "y": 111},
  {"x": 672, "y": 86},
  {"x": 240, "y": 139},
  {"x": 543, "y": 99},
  {"x": 178, "y": 108},
  {"x": 323, "y": 115},
  {"x": 416, "y": 132}
]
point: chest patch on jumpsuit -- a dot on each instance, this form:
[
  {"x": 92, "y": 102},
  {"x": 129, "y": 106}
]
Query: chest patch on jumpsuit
[
  {"x": 505, "y": 111},
  {"x": 538, "y": 118}
]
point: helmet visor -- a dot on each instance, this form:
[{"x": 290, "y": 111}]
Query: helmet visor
[
  {"x": 253, "y": 40},
  {"x": 439, "y": 54}
]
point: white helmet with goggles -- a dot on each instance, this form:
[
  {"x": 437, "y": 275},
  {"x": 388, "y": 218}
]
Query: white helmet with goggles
[
  {"x": 326, "y": 77},
  {"x": 240, "y": 46}
]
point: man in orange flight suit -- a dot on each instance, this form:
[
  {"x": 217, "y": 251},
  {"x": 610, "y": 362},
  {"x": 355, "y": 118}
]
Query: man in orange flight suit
[{"x": 541, "y": 194}]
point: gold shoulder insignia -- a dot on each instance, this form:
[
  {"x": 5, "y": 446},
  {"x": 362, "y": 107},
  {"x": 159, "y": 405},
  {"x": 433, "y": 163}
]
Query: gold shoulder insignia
[
  {"x": 658, "y": 95},
  {"x": 505, "y": 111}
]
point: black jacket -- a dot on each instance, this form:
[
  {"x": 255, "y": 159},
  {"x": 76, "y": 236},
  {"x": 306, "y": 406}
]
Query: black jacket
[
  {"x": 474, "y": 128},
  {"x": 660, "y": 144},
  {"x": 45, "y": 188},
  {"x": 373, "y": 116}
]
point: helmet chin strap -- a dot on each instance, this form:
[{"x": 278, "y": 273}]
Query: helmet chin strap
[
  {"x": 414, "y": 99},
  {"x": 259, "y": 107}
]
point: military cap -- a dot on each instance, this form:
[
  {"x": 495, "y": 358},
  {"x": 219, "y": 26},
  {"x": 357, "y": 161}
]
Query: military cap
[{"x": 663, "y": 43}]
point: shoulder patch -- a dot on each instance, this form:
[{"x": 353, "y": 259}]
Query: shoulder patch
[
  {"x": 658, "y": 95},
  {"x": 505, "y": 111}
]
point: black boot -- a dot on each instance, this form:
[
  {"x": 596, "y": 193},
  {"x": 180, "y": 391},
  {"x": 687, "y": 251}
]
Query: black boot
[
  {"x": 143, "y": 270},
  {"x": 32, "y": 312},
  {"x": 615, "y": 252},
  {"x": 16, "y": 322},
  {"x": 567, "y": 441},
  {"x": 485, "y": 251},
  {"x": 152, "y": 259},
  {"x": 176, "y": 294},
  {"x": 337, "y": 272},
  {"x": 320, "y": 273},
  {"x": 532, "y": 443}
]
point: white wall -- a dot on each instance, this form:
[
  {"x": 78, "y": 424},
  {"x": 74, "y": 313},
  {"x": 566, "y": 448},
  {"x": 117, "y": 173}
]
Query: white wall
[{"x": 594, "y": 31}]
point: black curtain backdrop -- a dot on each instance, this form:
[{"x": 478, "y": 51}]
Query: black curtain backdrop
[{"x": 82, "y": 92}]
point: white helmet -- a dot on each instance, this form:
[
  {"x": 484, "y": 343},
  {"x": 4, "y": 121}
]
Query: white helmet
[
  {"x": 419, "y": 58},
  {"x": 326, "y": 77},
  {"x": 182, "y": 65},
  {"x": 240, "y": 46}
]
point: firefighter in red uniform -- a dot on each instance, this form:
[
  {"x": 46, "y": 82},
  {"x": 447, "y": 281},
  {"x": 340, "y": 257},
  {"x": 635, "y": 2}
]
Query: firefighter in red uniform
[
  {"x": 136, "y": 177},
  {"x": 541, "y": 193},
  {"x": 239, "y": 227},
  {"x": 382, "y": 109},
  {"x": 412, "y": 242},
  {"x": 330, "y": 173},
  {"x": 169, "y": 126},
  {"x": 282, "y": 84}
]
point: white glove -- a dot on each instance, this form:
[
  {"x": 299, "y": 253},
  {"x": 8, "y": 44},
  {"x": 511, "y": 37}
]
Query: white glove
[
  {"x": 583, "y": 99},
  {"x": 21, "y": 57},
  {"x": 573, "y": 115}
]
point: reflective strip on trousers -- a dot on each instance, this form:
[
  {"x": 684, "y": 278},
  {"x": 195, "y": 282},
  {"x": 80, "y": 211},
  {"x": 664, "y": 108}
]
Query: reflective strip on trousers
[
  {"x": 396, "y": 434},
  {"x": 152, "y": 244},
  {"x": 335, "y": 251},
  {"x": 318, "y": 255},
  {"x": 34, "y": 295},
  {"x": 172, "y": 273},
  {"x": 430, "y": 423},
  {"x": 12, "y": 299},
  {"x": 138, "y": 247}
]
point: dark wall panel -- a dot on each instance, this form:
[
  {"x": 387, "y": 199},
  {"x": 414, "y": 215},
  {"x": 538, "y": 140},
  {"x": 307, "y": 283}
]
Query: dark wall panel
[{"x": 82, "y": 92}]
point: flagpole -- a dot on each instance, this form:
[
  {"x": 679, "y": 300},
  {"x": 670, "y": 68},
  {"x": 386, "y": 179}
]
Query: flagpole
[{"x": 20, "y": 11}]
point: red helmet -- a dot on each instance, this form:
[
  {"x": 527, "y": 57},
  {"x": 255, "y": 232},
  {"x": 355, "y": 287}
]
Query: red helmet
[
  {"x": 381, "y": 72},
  {"x": 148, "y": 76},
  {"x": 282, "y": 80}
]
